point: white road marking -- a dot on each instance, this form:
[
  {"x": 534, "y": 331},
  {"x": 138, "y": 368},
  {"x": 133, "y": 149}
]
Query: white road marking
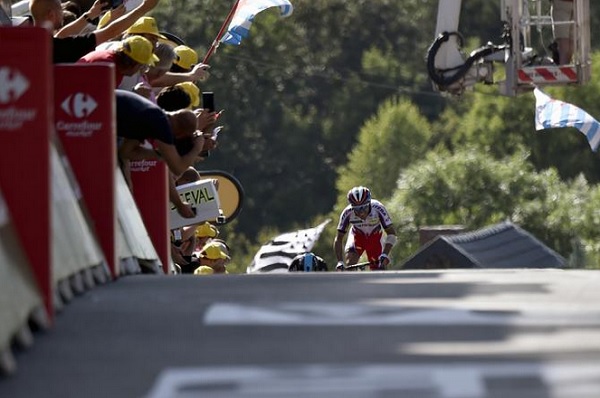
[
  {"x": 307, "y": 314},
  {"x": 439, "y": 380}
]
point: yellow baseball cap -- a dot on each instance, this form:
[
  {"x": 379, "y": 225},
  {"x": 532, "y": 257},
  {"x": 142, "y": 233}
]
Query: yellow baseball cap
[
  {"x": 186, "y": 57},
  {"x": 139, "y": 49},
  {"x": 204, "y": 270},
  {"x": 213, "y": 252},
  {"x": 206, "y": 230},
  {"x": 145, "y": 26},
  {"x": 194, "y": 92}
]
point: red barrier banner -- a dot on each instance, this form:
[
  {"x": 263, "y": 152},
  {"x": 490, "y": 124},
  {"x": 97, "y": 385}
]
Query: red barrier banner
[
  {"x": 84, "y": 109},
  {"x": 151, "y": 194},
  {"x": 25, "y": 130}
]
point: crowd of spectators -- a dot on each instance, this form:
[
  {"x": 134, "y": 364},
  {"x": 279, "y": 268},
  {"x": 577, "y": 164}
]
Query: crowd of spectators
[{"x": 159, "y": 114}]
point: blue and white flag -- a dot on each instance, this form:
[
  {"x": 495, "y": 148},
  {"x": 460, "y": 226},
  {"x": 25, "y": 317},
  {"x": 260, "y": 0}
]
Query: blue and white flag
[
  {"x": 551, "y": 113},
  {"x": 244, "y": 16}
]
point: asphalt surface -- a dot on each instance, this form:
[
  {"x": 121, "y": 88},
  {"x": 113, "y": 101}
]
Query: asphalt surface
[{"x": 451, "y": 334}]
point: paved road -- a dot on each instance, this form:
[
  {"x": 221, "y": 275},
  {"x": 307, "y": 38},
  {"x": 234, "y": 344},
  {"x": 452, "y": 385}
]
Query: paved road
[{"x": 454, "y": 334}]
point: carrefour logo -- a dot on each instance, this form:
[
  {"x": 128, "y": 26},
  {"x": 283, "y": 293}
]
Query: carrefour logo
[
  {"x": 13, "y": 84},
  {"x": 80, "y": 106}
]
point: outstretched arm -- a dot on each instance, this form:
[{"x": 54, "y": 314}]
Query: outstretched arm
[
  {"x": 121, "y": 24},
  {"x": 75, "y": 27},
  {"x": 178, "y": 164}
]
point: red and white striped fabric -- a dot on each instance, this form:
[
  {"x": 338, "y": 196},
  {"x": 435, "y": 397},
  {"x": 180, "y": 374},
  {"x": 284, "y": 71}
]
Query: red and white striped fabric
[{"x": 548, "y": 74}]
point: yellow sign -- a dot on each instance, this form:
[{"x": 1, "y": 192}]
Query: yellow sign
[{"x": 231, "y": 193}]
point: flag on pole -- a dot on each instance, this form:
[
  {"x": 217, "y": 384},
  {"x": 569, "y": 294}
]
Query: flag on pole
[
  {"x": 244, "y": 16},
  {"x": 551, "y": 113},
  {"x": 277, "y": 254}
]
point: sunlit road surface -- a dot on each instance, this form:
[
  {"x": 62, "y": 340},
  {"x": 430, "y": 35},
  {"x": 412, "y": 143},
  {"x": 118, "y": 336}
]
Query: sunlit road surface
[{"x": 451, "y": 334}]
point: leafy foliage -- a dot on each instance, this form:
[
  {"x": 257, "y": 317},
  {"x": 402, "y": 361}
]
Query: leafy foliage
[
  {"x": 471, "y": 189},
  {"x": 396, "y": 136}
]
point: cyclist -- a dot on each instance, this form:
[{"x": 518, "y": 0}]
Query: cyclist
[
  {"x": 367, "y": 219},
  {"x": 307, "y": 262}
]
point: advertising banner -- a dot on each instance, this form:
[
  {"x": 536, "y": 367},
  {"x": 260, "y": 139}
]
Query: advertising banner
[
  {"x": 151, "y": 194},
  {"x": 84, "y": 115},
  {"x": 25, "y": 129}
]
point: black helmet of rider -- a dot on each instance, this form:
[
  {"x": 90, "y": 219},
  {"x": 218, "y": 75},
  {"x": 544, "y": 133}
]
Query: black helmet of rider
[{"x": 308, "y": 262}]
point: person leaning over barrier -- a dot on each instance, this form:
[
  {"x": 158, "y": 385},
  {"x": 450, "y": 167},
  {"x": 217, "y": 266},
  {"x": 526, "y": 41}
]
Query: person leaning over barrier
[
  {"x": 138, "y": 119},
  {"x": 48, "y": 13},
  {"x": 176, "y": 98},
  {"x": 131, "y": 55}
]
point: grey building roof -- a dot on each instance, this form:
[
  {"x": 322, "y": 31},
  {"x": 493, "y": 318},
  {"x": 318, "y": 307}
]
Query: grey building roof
[{"x": 503, "y": 245}]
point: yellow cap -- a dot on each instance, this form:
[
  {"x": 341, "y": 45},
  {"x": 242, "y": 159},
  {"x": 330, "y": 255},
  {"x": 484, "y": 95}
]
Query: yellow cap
[
  {"x": 104, "y": 20},
  {"x": 204, "y": 270},
  {"x": 194, "y": 92},
  {"x": 145, "y": 26},
  {"x": 139, "y": 49},
  {"x": 213, "y": 252},
  {"x": 206, "y": 230},
  {"x": 186, "y": 57}
]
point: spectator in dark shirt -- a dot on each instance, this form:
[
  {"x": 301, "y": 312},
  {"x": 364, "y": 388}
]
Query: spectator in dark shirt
[{"x": 138, "y": 119}]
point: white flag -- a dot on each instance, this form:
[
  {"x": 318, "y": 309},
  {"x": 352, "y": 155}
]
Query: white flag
[
  {"x": 551, "y": 113},
  {"x": 244, "y": 16}
]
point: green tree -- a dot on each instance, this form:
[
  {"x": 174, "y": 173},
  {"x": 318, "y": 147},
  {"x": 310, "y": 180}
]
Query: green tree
[
  {"x": 471, "y": 189},
  {"x": 392, "y": 139}
]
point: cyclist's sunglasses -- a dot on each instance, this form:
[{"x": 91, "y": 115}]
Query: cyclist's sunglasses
[{"x": 360, "y": 209}]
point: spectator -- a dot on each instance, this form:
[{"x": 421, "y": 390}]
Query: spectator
[
  {"x": 166, "y": 56},
  {"x": 193, "y": 91},
  {"x": 80, "y": 21},
  {"x": 73, "y": 7},
  {"x": 186, "y": 59},
  {"x": 173, "y": 98},
  {"x": 204, "y": 233},
  {"x": 68, "y": 17},
  {"x": 111, "y": 15},
  {"x": 139, "y": 119},
  {"x": 183, "y": 208},
  {"x": 562, "y": 48},
  {"x": 186, "y": 240},
  {"x": 133, "y": 54},
  {"x": 48, "y": 13},
  {"x": 146, "y": 27},
  {"x": 213, "y": 260},
  {"x": 185, "y": 68}
]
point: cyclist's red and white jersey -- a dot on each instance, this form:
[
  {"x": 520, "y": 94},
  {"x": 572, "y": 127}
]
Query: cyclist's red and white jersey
[{"x": 376, "y": 221}]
